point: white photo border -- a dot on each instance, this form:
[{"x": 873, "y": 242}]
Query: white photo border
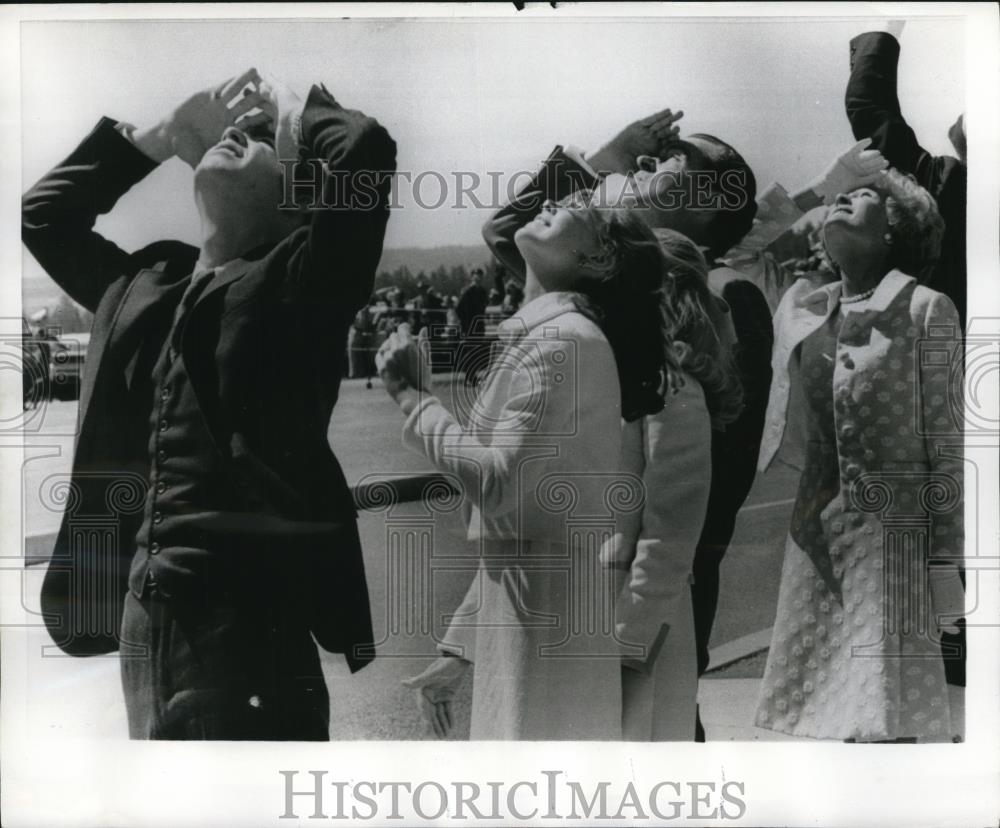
[{"x": 225, "y": 784}]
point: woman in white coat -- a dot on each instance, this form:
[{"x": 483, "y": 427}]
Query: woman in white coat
[
  {"x": 543, "y": 442},
  {"x": 670, "y": 450},
  {"x": 869, "y": 571}
]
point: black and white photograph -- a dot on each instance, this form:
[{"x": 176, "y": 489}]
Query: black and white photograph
[{"x": 504, "y": 413}]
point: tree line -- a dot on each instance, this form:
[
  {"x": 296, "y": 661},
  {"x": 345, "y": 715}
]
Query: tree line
[{"x": 443, "y": 280}]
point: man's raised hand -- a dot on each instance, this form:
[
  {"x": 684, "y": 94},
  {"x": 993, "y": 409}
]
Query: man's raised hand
[
  {"x": 283, "y": 106},
  {"x": 856, "y": 167},
  {"x": 197, "y": 124},
  {"x": 647, "y": 136}
]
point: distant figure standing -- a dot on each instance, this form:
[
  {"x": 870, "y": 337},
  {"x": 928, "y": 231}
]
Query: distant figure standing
[
  {"x": 513, "y": 296},
  {"x": 471, "y": 310},
  {"x": 425, "y": 307},
  {"x": 472, "y": 305},
  {"x": 361, "y": 344},
  {"x": 392, "y": 314},
  {"x": 451, "y": 314}
]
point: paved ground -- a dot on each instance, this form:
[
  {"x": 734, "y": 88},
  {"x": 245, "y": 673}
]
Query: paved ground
[
  {"x": 81, "y": 698},
  {"x": 74, "y": 694}
]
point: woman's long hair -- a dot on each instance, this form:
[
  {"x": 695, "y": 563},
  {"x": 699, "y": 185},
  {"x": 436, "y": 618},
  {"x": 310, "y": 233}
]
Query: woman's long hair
[
  {"x": 626, "y": 305},
  {"x": 689, "y": 309}
]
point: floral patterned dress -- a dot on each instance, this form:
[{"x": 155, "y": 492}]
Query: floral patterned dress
[{"x": 851, "y": 657}]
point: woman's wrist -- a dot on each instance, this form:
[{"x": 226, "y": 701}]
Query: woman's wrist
[
  {"x": 294, "y": 107},
  {"x": 407, "y": 399},
  {"x": 154, "y": 141}
]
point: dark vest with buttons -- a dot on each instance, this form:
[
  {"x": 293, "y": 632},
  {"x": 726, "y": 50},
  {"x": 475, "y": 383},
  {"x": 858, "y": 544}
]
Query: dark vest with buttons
[{"x": 173, "y": 549}]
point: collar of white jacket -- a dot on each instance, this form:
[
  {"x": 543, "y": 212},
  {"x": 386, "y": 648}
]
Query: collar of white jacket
[
  {"x": 537, "y": 312},
  {"x": 826, "y": 296}
]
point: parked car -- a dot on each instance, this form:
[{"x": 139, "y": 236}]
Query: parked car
[
  {"x": 34, "y": 367},
  {"x": 66, "y": 365}
]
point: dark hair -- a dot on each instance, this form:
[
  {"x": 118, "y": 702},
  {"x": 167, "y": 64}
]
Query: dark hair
[
  {"x": 728, "y": 226},
  {"x": 688, "y": 306},
  {"x": 626, "y": 305}
]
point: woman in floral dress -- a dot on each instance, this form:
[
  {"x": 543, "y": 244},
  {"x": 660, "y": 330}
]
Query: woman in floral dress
[{"x": 870, "y": 573}]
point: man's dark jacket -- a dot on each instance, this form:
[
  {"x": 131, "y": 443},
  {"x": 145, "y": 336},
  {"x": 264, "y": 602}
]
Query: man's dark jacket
[
  {"x": 874, "y": 111},
  {"x": 263, "y": 346}
]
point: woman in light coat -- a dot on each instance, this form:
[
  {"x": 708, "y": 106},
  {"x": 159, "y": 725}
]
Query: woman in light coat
[
  {"x": 539, "y": 460},
  {"x": 869, "y": 570},
  {"x": 670, "y": 451}
]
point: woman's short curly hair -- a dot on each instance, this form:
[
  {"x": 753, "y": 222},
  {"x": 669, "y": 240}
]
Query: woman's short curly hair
[{"x": 915, "y": 224}]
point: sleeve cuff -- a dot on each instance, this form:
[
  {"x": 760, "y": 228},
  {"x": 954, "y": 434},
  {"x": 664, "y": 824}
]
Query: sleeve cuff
[
  {"x": 125, "y": 129},
  {"x": 456, "y": 650},
  {"x": 418, "y": 421},
  {"x": 131, "y": 163},
  {"x": 575, "y": 154},
  {"x": 459, "y": 641}
]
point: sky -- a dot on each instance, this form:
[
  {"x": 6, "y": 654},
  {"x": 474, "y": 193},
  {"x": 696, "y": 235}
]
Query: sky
[{"x": 478, "y": 96}]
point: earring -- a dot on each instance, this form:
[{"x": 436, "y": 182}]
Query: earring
[{"x": 887, "y": 238}]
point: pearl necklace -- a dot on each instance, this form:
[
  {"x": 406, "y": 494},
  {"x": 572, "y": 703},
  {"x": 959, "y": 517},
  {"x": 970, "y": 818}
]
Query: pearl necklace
[{"x": 857, "y": 297}]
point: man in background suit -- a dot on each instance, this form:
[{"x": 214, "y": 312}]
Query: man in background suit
[
  {"x": 874, "y": 112},
  {"x": 210, "y": 380},
  {"x": 716, "y": 231}
]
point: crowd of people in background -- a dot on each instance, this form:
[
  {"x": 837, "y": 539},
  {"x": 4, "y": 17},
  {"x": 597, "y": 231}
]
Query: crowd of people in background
[{"x": 461, "y": 326}]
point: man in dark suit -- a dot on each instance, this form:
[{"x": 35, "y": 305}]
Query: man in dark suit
[
  {"x": 734, "y": 448},
  {"x": 227, "y": 535},
  {"x": 874, "y": 111}
]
